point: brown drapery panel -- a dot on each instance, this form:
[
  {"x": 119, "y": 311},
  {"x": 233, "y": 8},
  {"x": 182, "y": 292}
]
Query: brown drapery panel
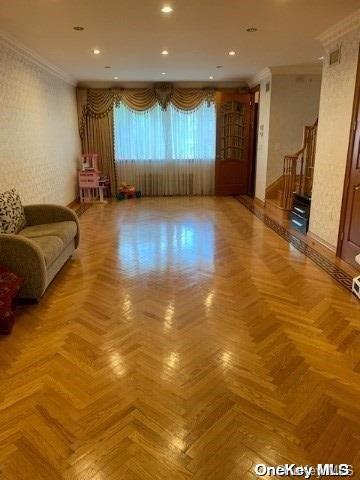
[
  {"x": 98, "y": 138},
  {"x": 96, "y": 110}
]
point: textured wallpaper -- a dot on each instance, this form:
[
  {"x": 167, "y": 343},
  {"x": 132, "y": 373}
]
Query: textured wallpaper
[
  {"x": 336, "y": 104},
  {"x": 39, "y": 141}
]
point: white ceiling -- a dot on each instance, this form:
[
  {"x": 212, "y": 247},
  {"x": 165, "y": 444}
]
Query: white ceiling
[{"x": 198, "y": 35}]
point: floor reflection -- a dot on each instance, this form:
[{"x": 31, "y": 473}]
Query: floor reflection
[{"x": 170, "y": 245}]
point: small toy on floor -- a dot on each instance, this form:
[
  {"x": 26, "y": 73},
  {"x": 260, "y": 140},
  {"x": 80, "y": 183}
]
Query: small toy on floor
[{"x": 127, "y": 191}]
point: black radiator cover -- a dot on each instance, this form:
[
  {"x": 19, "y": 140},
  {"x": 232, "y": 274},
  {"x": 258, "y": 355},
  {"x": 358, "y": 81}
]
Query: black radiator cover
[{"x": 300, "y": 213}]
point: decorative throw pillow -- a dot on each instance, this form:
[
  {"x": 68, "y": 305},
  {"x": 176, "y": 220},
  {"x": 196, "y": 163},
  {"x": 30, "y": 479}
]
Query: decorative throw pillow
[{"x": 12, "y": 216}]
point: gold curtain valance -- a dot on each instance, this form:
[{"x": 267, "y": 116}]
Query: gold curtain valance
[{"x": 97, "y": 103}]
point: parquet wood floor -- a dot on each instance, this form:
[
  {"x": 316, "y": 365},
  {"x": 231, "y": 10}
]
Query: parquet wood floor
[
  {"x": 308, "y": 239},
  {"x": 185, "y": 340}
]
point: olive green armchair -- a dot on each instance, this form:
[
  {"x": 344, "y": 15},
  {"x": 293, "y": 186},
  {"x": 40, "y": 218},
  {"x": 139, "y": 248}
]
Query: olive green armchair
[{"x": 41, "y": 248}]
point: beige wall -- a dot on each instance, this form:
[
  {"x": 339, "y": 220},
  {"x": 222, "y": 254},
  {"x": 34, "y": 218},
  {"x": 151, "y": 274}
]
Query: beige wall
[
  {"x": 39, "y": 141},
  {"x": 294, "y": 104},
  {"x": 263, "y": 139},
  {"x": 336, "y": 104}
]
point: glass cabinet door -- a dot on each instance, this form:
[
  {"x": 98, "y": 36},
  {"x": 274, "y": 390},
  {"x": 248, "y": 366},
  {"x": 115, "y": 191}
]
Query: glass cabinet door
[
  {"x": 231, "y": 130},
  {"x": 232, "y": 143}
]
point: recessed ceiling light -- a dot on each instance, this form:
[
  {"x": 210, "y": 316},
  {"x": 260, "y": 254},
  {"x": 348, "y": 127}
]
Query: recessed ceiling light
[
  {"x": 163, "y": 73},
  {"x": 96, "y": 51},
  {"x": 78, "y": 28},
  {"x": 211, "y": 77},
  {"x": 251, "y": 29},
  {"x": 116, "y": 78},
  {"x": 321, "y": 58},
  {"x": 164, "y": 52},
  {"x": 167, "y": 9},
  {"x": 232, "y": 53}
]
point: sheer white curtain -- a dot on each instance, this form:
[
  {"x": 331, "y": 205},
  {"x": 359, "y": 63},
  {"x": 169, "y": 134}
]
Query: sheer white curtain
[{"x": 169, "y": 152}]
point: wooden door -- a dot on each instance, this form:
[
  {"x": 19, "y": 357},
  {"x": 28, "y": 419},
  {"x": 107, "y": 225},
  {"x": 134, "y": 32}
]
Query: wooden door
[
  {"x": 349, "y": 244},
  {"x": 232, "y": 166}
]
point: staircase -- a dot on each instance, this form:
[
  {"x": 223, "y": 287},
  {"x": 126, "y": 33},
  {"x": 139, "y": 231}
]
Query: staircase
[{"x": 298, "y": 174}]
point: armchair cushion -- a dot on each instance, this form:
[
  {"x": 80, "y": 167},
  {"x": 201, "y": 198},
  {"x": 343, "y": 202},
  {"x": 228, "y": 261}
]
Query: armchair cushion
[
  {"x": 51, "y": 247},
  {"x": 65, "y": 231},
  {"x": 44, "y": 214},
  {"x": 12, "y": 217}
]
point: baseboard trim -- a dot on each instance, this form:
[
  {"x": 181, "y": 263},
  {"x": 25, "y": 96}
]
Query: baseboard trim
[
  {"x": 322, "y": 242},
  {"x": 259, "y": 202}
]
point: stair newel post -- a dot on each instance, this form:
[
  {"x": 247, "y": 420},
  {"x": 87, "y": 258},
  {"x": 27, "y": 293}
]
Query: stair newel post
[
  {"x": 313, "y": 152},
  {"x": 285, "y": 182},
  {"x": 301, "y": 182},
  {"x": 293, "y": 182},
  {"x": 289, "y": 185},
  {"x": 283, "y": 185},
  {"x": 307, "y": 146}
]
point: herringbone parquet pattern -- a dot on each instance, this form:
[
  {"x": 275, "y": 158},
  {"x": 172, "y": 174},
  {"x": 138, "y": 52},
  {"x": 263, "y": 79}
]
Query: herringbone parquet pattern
[{"x": 185, "y": 340}]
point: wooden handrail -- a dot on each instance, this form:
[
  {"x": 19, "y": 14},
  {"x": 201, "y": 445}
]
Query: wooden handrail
[{"x": 298, "y": 171}]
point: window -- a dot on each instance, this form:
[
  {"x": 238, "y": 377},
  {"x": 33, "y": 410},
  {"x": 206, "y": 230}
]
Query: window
[
  {"x": 166, "y": 152},
  {"x": 165, "y": 135}
]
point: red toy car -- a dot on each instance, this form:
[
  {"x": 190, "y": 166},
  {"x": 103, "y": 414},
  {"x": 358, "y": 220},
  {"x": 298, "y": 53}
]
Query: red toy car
[{"x": 127, "y": 191}]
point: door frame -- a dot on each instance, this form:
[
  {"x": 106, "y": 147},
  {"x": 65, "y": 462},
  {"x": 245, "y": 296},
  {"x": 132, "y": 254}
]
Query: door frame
[
  {"x": 350, "y": 153},
  {"x": 253, "y": 136}
]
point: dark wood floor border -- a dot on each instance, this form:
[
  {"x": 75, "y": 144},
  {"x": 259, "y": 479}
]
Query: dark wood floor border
[
  {"x": 335, "y": 272},
  {"x": 81, "y": 209}
]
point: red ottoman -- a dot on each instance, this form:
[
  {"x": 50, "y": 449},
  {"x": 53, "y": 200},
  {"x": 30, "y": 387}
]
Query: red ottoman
[{"x": 10, "y": 285}]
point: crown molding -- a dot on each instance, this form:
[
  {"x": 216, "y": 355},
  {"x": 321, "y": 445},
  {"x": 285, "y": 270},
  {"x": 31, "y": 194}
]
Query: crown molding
[
  {"x": 258, "y": 77},
  {"x": 17, "y": 47},
  {"x": 302, "y": 69},
  {"x": 345, "y": 26},
  {"x": 268, "y": 72}
]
